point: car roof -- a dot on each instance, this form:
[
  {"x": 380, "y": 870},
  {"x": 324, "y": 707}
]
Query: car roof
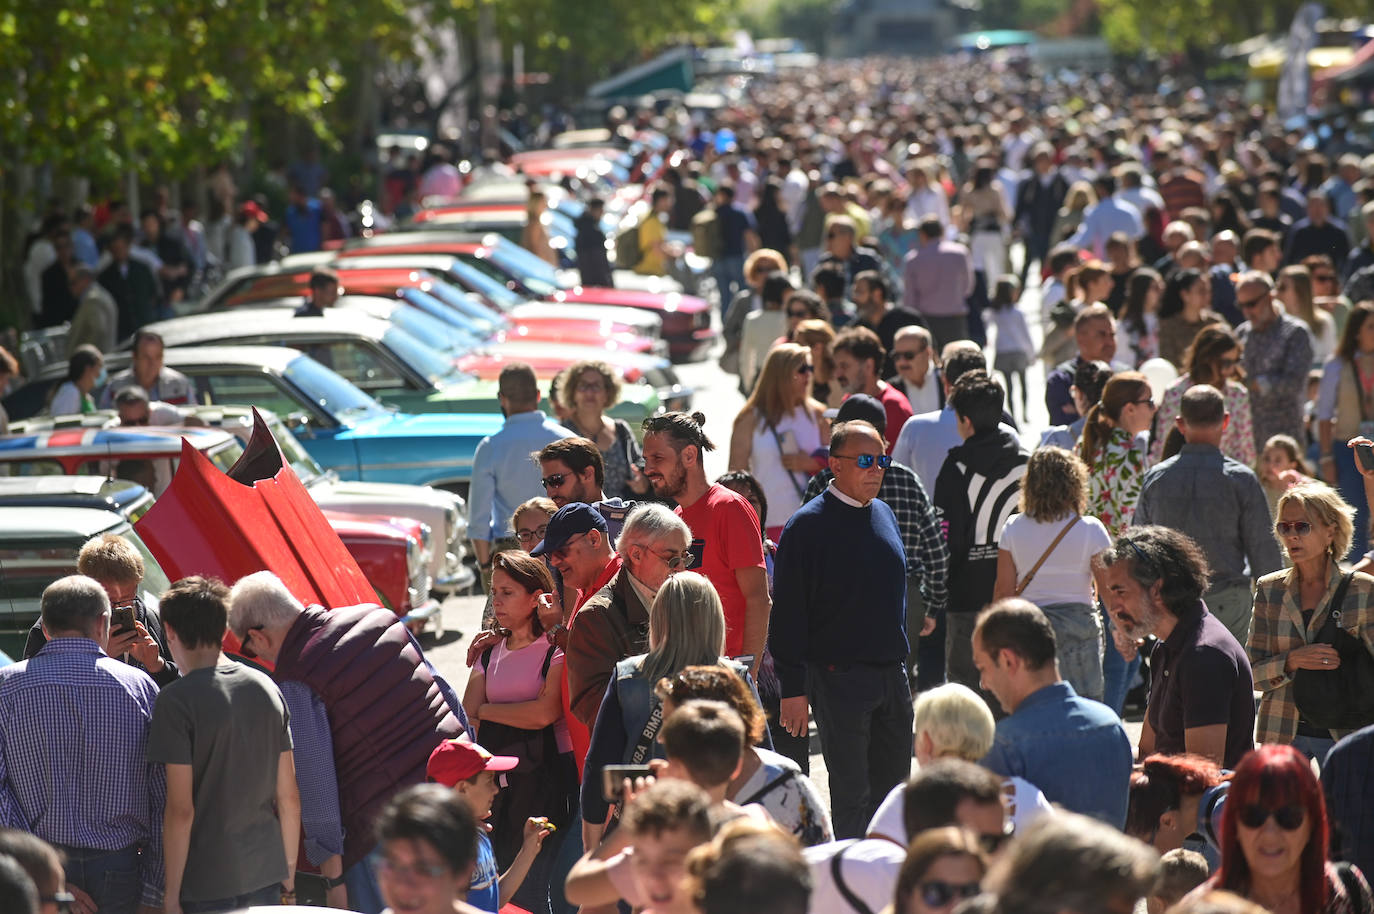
[
  {"x": 238, "y": 322},
  {"x": 22, "y": 522},
  {"x": 115, "y": 442},
  {"x": 271, "y": 358}
]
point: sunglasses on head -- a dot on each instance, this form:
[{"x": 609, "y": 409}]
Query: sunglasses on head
[
  {"x": 1289, "y": 818},
  {"x": 1289, "y": 527},
  {"x": 866, "y": 461},
  {"x": 937, "y": 894}
]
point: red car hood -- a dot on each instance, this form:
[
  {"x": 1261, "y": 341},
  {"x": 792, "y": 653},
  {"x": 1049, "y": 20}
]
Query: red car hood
[
  {"x": 257, "y": 517},
  {"x": 658, "y": 301}
]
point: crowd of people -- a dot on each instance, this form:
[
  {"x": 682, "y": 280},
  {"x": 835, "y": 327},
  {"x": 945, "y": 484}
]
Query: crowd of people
[{"x": 886, "y": 560}]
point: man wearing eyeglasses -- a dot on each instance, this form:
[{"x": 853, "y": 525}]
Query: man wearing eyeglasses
[
  {"x": 838, "y": 636},
  {"x": 1277, "y": 356},
  {"x": 1217, "y": 501}
]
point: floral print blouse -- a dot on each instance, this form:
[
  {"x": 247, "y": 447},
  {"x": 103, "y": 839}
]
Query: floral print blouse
[
  {"x": 1114, "y": 483},
  {"x": 1237, "y": 442}
]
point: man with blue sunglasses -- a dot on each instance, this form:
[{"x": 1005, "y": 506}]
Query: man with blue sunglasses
[{"x": 838, "y": 628}]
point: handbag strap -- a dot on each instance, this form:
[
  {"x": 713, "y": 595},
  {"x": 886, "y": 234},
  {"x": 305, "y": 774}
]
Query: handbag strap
[
  {"x": 777, "y": 439},
  {"x": 758, "y": 795},
  {"x": 1359, "y": 390},
  {"x": 1327, "y": 633},
  {"x": 854, "y": 901},
  {"x": 1030, "y": 575}
]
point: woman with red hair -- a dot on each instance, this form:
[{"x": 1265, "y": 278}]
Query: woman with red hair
[
  {"x": 1274, "y": 840},
  {"x": 1166, "y": 793}
]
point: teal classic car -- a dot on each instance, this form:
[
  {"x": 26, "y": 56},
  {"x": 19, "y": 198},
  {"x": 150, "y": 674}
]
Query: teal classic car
[
  {"x": 383, "y": 359},
  {"x": 343, "y": 428}
]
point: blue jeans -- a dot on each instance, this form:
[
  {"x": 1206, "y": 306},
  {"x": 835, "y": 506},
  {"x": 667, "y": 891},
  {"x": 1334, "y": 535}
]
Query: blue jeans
[
  {"x": 1351, "y": 486},
  {"x": 729, "y": 274},
  {"x": 1078, "y": 646},
  {"x": 364, "y": 895},
  {"x": 111, "y": 878},
  {"x": 267, "y": 895},
  {"x": 1314, "y": 747},
  {"x": 1117, "y": 672},
  {"x": 568, "y": 853}
]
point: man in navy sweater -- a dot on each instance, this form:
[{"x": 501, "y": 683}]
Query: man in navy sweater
[{"x": 838, "y": 630}]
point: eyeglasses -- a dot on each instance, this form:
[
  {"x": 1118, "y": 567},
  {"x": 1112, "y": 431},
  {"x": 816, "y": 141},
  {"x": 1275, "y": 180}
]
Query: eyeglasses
[
  {"x": 1289, "y": 818},
  {"x": 799, "y": 315},
  {"x": 590, "y": 387},
  {"x": 866, "y": 461},
  {"x": 412, "y": 871},
  {"x": 562, "y": 551},
  {"x": 555, "y": 481},
  {"x": 63, "y": 900},
  {"x": 1148, "y": 401},
  {"x": 531, "y": 536},
  {"x": 992, "y": 843},
  {"x": 244, "y": 649},
  {"x": 676, "y": 561},
  {"x": 1291, "y": 527},
  {"x": 806, "y": 369},
  {"x": 938, "y": 894},
  {"x": 902, "y": 355}
]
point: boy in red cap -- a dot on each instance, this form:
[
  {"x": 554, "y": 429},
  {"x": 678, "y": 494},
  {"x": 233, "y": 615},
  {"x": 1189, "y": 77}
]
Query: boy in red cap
[{"x": 470, "y": 771}]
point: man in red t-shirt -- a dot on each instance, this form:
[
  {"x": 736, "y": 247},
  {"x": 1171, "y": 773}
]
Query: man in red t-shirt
[
  {"x": 859, "y": 357},
  {"x": 726, "y": 540}
]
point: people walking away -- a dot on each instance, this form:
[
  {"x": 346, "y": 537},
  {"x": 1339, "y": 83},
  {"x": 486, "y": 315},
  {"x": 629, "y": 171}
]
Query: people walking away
[
  {"x": 1045, "y": 555},
  {"x": 96, "y": 316},
  {"x": 593, "y": 262},
  {"x": 1014, "y": 647},
  {"x": 1346, "y": 777},
  {"x": 1014, "y": 346},
  {"x": 738, "y": 237},
  {"x": 977, "y": 489},
  {"x": 233, "y": 821},
  {"x": 503, "y": 476},
  {"x": 937, "y": 279},
  {"x": 1292, "y": 605},
  {"x": 1201, "y": 690},
  {"x": 1137, "y": 326},
  {"x": 1219, "y": 503},
  {"x": 762, "y": 328},
  {"x": 1345, "y": 409},
  {"x": 757, "y": 267},
  {"x": 1277, "y": 356},
  {"x": 130, "y": 283}
]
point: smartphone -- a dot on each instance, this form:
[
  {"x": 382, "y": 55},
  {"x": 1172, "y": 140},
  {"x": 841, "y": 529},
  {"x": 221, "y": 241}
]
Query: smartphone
[
  {"x": 121, "y": 620},
  {"x": 1364, "y": 453},
  {"x": 613, "y": 779}
]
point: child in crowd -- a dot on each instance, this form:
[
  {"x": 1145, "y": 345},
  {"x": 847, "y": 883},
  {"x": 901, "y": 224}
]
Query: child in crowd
[
  {"x": 1180, "y": 871},
  {"x": 1015, "y": 348},
  {"x": 1280, "y": 468},
  {"x": 470, "y": 771}
]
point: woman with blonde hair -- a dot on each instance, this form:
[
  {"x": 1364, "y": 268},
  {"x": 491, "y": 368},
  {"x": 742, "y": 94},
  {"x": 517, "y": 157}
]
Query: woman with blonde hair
[
  {"x": 1315, "y": 527},
  {"x": 819, "y": 337},
  {"x": 1294, "y": 292},
  {"x": 1212, "y": 358},
  {"x": 591, "y": 388},
  {"x": 535, "y": 236},
  {"x": 1076, "y": 202},
  {"x": 1045, "y": 556},
  {"x": 779, "y": 430}
]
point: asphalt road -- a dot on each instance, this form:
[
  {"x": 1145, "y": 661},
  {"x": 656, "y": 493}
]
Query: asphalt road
[{"x": 718, "y": 398}]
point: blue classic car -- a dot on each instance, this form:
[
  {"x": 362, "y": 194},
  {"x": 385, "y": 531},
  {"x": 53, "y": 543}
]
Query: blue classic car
[{"x": 344, "y": 429}]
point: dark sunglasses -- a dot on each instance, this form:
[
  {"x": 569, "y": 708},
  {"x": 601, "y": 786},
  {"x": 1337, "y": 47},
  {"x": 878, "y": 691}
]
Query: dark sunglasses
[
  {"x": 244, "y": 649},
  {"x": 1288, "y": 527},
  {"x": 554, "y": 481},
  {"x": 866, "y": 461},
  {"x": 901, "y": 355},
  {"x": 1250, "y": 303},
  {"x": 938, "y": 894},
  {"x": 1148, "y": 401},
  {"x": 1289, "y": 818},
  {"x": 806, "y": 369},
  {"x": 991, "y": 844}
]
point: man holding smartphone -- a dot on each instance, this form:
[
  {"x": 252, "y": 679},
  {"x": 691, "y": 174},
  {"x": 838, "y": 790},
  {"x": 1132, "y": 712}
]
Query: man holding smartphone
[{"x": 136, "y": 634}]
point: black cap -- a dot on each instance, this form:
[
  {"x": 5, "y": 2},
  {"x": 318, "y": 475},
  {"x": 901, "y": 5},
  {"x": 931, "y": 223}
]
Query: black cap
[
  {"x": 567, "y": 522},
  {"x": 863, "y": 408}
]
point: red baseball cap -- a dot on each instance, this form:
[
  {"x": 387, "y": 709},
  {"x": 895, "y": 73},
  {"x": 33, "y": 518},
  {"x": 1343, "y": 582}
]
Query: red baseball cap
[{"x": 456, "y": 760}]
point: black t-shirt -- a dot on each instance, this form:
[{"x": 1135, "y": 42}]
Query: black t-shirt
[{"x": 1201, "y": 677}]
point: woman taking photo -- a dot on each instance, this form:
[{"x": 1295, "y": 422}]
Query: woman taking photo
[
  {"x": 1183, "y": 312},
  {"x": 1045, "y": 556},
  {"x": 514, "y": 699},
  {"x": 1137, "y": 329},
  {"x": 686, "y": 628},
  {"x": 591, "y": 389},
  {"x": 1213, "y": 358},
  {"x": 85, "y": 372},
  {"x": 779, "y": 430},
  {"x": 1274, "y": 837},
  {"x": 943, "y": 867},
  {"x": 1345, "y": 408},
  {"x": 1294, "y": 292},
  {"x": 1314, "y": 526}
]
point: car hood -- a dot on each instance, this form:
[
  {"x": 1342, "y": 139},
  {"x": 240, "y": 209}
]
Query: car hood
[
  {"x": 429, "y": 425},
  {"x": 256, "y": 517}
]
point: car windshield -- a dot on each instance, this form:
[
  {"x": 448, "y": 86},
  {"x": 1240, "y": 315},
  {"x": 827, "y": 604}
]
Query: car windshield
[
  {"x": 446, "y": 337},
  {"x": 331, "y": 392},
  {"x": 305, "y": 466},
  {"x": 442, "y": 300},
  {"x": 227, "y": 455},
  {"x": 422, "y": 357},
  {"x": 536, "y": 274},
  {"x": 485, "y": 285}
]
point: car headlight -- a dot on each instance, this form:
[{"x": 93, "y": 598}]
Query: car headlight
[{"x": 417, "y": 568}]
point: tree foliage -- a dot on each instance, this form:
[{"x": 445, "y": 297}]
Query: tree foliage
[{"x": 1177, "y": 26}]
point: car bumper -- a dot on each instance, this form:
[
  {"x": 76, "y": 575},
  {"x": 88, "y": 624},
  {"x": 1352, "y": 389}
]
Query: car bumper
[
  {"x": 692, "y": 348},
  {"x": 460, "y": 580},
  {"x": 423, "y": 613}
]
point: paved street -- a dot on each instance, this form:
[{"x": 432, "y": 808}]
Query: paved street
[{"x": 718, "y": 398}]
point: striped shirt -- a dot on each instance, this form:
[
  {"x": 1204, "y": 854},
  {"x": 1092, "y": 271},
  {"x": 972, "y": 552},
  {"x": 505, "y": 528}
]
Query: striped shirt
[{"x": 73, "y": 762}]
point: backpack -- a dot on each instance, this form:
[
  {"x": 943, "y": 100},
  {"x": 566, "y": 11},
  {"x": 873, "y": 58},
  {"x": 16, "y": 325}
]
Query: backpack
[
  {"x": 706, "y": 233},
  {"x": 627, "y": 252}
]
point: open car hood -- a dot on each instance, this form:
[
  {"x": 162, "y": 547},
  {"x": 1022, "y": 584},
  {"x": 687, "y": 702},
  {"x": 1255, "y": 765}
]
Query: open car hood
[{"x": 256, "y": 517}]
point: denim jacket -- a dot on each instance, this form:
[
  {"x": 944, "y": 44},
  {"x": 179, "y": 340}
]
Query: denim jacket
[{"x": 1074, "y": 749}]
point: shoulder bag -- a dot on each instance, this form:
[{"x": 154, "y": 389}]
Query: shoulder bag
[
  {"x": 777, "y": 439},
  {"x": 848, "y": 894},
  {"x": 1025, "y": 582},
  {"x": 1343, "y": 698}
]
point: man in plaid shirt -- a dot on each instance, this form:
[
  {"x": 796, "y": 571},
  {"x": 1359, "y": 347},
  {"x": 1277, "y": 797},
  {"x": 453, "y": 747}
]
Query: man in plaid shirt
[{"x": 927, "y": 555}]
